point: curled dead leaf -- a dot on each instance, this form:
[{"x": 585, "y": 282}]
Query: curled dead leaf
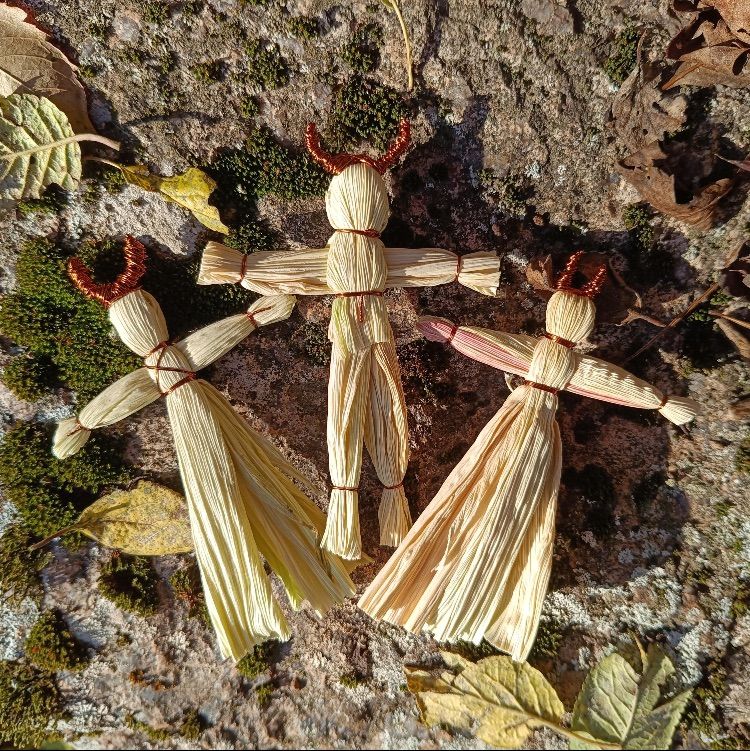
[
  {"x": 540, "y": 274},
  {"x": 733, "y": 333},
  {"x": 735, "y": 275},
  {"x": 647, "y": 171},
  {"x": 714, "y": 48},
  {"x": 29, "y": 64},
  {"x": 191, "y": 190},
  {"x": 641, "y": 112}
]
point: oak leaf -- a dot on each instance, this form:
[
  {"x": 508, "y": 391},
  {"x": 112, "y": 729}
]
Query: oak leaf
[
  {"x": 641, "y": 112},
  {"x": 646, "y": 170},
  {"x": 29, "y": 64},
  {"x": 714, "y": 48},
  {"x": 149, "y": 519}
]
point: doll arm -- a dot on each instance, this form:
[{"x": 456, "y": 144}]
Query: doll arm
[
  {"x": 428, "y": 267},
  {"x": 124, "y": 397},
  {"x": 204, "y": 346},
  {"x": 268, "y": 272},
  {"x": 602, "y": 380},
  {"x": 509, "y": 352}
]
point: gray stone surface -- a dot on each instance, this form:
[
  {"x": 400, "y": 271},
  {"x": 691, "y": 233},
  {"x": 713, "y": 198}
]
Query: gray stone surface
[{"x": 513, "y": 87}]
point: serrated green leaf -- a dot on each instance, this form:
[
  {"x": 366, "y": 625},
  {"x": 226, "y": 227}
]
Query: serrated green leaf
[
  {"x": 616, "y": 705},
  {"x": 149, "y": 519},
  {"x": 37, "y": 148},
  {"x": 191, "y": 190},
  {"x": 496, "y": 699}
]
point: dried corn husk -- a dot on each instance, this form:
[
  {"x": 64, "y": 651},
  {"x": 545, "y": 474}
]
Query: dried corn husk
[
  {"x": 365, "y": 396},
  {"x": 242, "y": 500},
  {"x": 476, "y": 563}
]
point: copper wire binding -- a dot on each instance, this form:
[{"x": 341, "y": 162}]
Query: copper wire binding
[
  {"x": 127, "y": 281},
  {"x": 591, "y": 289},
  {"x": 334, "y": 164}
]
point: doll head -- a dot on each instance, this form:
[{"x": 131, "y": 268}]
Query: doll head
[
  {"x": 357, "y": 197},
  {"x": 571, "y": 312}
]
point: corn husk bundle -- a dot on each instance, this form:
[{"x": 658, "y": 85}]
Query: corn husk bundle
[
  {"x": 477, "y": 562},
  {"x": 243, "y": 503},
  {"x": 365, "y": 396}
]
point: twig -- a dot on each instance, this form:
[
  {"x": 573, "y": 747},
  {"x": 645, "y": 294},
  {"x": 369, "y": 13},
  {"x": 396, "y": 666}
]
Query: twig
[{"x": 674, "y": 321}]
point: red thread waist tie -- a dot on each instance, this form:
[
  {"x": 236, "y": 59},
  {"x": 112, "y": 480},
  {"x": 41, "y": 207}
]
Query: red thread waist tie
[
  {"x": 360, "y": 300},
  {"x": 364, "y": 232},
  {"x": 542, "y": 387}
]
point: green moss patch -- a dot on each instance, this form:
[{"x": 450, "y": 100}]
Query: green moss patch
[
  {"x": 131, "y": 583},
  {"x": 50, "y": 646},
  {"x": 19, "y": 566},
  {"x": 622, "y": 57},
  {"x": 48, "y": 493},
  {"x": 266, "y": 67},
  {"x": 742, "y": 458},
  {"x": 30, "y": 703},
  {"x": 259, "y": 660},
  {"x": 68, "y": 339},
  {"x": 362, "y": 51},
  {"x": 365, "y": 110}
]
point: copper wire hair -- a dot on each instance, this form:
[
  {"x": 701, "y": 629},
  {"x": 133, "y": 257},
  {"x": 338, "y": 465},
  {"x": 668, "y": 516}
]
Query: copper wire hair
[
  {"x": 337, "y": 163},
  {"x": 127, "y": 281},
  {"x": 591, "y": 288}
]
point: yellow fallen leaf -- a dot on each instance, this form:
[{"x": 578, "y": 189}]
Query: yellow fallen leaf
[
  {"x": 498, "y": 700},
  {"x": 190, "y": 190},
  {"x": 149, "y": 519}
]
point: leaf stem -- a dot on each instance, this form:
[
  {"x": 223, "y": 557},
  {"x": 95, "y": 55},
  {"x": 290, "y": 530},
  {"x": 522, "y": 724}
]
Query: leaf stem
[
  {"x": 407, "y": 43},
  {"x": 54, "y": 536},
  {"x": 573, "y": 736},
  {"x": 62, "y": 142}
]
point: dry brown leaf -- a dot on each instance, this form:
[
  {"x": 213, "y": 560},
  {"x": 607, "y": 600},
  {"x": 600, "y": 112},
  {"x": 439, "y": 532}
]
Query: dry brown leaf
[
  {"x": 738, "y": 339},
  {"x": 714, "y": 48},
  {"x": 644, "y": 170},
  {"x": 740, "y": 410},
  {"x": 29, "y": 64},
  {"x": 743, "y": 165},
  {"x": 540, "y": 275},
  {"x": 634, "y": 315},
  {"x": 735, "y": 276},
  {"x": 641, "y": 112}
]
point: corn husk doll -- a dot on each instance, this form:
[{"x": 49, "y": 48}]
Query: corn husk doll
[
  {"x": 477, "y": 562},
  {"x": 242, "y": 501},
  {"x": 365, "y": 396}
]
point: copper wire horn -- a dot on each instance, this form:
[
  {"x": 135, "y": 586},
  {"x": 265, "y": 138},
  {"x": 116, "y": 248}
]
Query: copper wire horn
[
  {"x": 337, "y": 163},
  {"x": 127, "y": 281},
  {"x": 591, "y": 288}
]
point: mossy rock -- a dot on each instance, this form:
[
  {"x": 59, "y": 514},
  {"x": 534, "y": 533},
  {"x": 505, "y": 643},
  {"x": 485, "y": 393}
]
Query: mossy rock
[
  {"x": 19, "y": 566},
  {"x": 50, "y": 645},
  {"x": 259, "y": 660},
  {"x": 68, "y": 338},
  {"x": 623, "y": 55},
  {"x": 49, "y": 493},
  {"x": 30, "y": 703},
  {"x": 131, "y": 583},
  {"x": 362, "y": 52}
]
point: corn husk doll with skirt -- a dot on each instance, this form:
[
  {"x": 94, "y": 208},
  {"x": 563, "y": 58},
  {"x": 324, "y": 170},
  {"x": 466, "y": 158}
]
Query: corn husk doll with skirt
[
  {"x": 476, "y": 563},
  {"x": 243, "y": 502}
]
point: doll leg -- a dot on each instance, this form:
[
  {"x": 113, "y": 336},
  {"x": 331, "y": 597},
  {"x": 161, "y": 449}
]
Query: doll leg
[
  {"x": 387, "y": 441},
  {"x": 348, "y": 396}
]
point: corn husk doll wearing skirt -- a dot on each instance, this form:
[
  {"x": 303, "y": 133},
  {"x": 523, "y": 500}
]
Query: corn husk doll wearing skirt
[
  {"x": 242, "y": 498},
  {"x": 476, "y": 563}
]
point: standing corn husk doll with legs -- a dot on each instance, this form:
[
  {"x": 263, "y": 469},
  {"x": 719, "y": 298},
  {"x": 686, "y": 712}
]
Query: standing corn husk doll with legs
[
  {"x": 365, "y": 397},
  {"x": 477, "y": 562},
  {"x": 241, "y": 499}
]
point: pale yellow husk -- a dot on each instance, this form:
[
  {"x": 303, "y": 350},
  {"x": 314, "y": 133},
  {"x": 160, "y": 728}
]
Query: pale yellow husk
[
  {"x": 365, "y": 396},
  {"x": 242, "y": 501},
  {"x": 477, "y": 562}
]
